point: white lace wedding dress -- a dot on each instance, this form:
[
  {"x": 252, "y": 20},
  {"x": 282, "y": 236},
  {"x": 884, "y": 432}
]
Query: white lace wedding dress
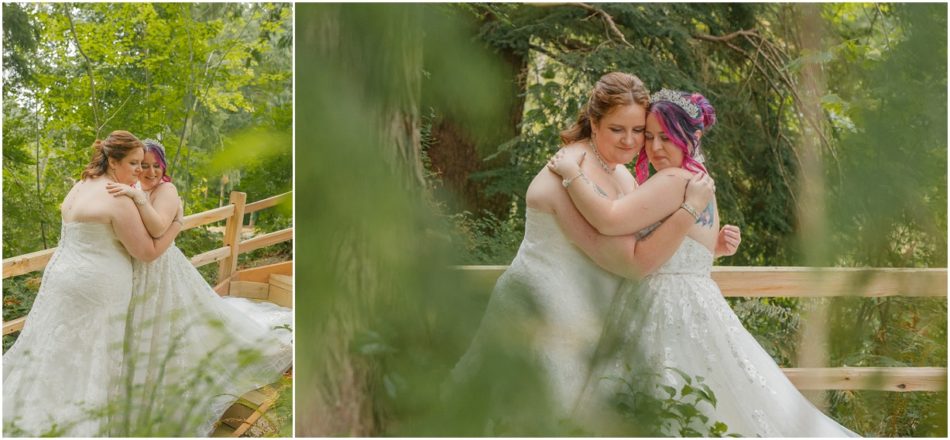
[
  {"x": 191, "y": 352},
  {"x": 553, "y": 298},
  {"x": 678, "y": 318},
  {"x": 61, "y": 374}
]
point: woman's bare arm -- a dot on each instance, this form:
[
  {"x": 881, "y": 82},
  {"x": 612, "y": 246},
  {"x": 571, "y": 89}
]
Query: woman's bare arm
[
  {"x": 157, "y": 214},
  {"x": 658, "y": 197},
  {"x": 131, "y": 232},
  {"x": 620, "y": 255}
]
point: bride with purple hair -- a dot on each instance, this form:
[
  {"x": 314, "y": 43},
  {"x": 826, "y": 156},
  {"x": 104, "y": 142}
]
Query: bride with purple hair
[{"x": 674, "y": 328}]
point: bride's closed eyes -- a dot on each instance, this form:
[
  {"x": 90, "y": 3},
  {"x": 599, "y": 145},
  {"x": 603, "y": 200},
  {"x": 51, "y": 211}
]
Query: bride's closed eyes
[
  {"x": 636, "y": 130},
  {"x": 649, "y": 136}
]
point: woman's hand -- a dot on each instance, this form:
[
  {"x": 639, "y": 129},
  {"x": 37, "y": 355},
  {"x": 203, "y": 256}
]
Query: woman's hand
[
  {"x": 699, "y": 191},
  {"x": 567, "y": 164},
  {"x": 121, "y": 189},
  {"x": 728, "y": 241}
]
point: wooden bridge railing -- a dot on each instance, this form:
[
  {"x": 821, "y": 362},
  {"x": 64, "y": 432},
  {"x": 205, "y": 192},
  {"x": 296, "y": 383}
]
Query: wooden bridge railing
[
  {"x": 820, "y": 282},
  {"x": 227, "y": 255}
]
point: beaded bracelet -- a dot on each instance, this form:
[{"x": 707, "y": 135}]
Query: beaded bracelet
[
  {"x": 567, "y": 182},
  {"x": 690, "y": 210}
]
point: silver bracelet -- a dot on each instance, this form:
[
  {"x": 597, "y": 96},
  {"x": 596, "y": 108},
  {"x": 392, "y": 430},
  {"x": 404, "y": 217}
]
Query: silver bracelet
[
  {"x": 141, "y": 201},
  {"x": 567, "y": 182},
  {"x": 690, "y": 210}
]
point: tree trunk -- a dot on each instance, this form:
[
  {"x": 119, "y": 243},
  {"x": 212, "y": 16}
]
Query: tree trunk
[
  {"x": 454, "y": 156},
  {"x": 344, "y": 397},
  {"x": 39, "y": 189}
]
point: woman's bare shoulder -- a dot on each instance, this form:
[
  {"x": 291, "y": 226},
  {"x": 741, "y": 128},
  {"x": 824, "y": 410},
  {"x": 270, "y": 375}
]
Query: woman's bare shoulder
[
  {"x": 166, "y": 188},
  {"x": 542, "y": 191},
  {"x": 575, "y": 146}
]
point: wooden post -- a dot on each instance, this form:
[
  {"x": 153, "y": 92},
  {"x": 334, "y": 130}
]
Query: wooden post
[{"x": 232, "y": 236}]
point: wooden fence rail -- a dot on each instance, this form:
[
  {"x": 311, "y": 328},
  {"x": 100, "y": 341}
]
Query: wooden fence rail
[
  {"x": 818, "y": 283},
  {"x": 227, "y": 255}
]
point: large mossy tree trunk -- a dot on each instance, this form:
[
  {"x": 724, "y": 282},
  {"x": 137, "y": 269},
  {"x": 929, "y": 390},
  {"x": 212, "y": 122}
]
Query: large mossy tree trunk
[
  {"x": 367, "y": 157},
  {"x": 457, "y": 156},
  {"x": 381, "y": 316}
]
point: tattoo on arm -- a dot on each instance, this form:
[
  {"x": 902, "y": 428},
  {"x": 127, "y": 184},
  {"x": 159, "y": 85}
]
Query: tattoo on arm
[
  {"x": 707, "y": 216},
  {"x": 645, "y": 233},
  {"x": 597, "y": 189}
]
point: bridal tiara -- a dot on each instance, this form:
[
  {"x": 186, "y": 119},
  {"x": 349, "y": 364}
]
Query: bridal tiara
[{"x": 676, "y": 98}]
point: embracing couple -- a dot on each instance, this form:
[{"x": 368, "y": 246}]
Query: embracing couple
[
  {"x": 125, "y": 338},
  {"x": 611, "y": 290}
]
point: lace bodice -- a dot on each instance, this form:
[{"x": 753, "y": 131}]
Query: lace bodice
[{"x": 691, "y": 258}]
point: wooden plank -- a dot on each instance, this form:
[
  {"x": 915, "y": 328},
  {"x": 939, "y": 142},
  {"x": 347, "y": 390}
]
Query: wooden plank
[
  {"x": 261, "y": 274},
  {"x": 249, "y": 289},
  {"x": 267, "y": 240},
  {"x": 232, "y": 236},
  {"x": 253, "y": 418},
  {"x": 898, "y": 379},
  {"x": 282, "y": 281},
  {"x": 26, "y": 263},
  {"x": 211, "y": 256},
  {"x": 13, "y": 326},
  {"x": 206, "y": 217},
  {"x": 223, "y": 288},
  {"x": 280, "y": 296},
  {"x": 268, "y": 202},
  {"x": 796, "y": 281},
  {"x": 244, "y": 413},
  {"x": 829, "y": 282},
  {"x": 224, "y": 431}
]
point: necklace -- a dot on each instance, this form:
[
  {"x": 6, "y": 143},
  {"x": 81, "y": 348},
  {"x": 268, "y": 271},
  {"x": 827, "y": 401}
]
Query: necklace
[{"x": 600, "y": 159}]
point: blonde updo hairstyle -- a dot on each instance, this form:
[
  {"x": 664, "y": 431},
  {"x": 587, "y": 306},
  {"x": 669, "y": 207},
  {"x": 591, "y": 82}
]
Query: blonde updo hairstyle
[
  {"x": 116, "y": 146},
  {"x": 611, "y": 90}
]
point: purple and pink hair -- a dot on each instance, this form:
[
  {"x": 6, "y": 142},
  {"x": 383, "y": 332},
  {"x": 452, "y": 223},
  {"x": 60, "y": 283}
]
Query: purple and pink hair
[
  {"x": 680, "y": 128},
  {"x": 153, "y": 146}
]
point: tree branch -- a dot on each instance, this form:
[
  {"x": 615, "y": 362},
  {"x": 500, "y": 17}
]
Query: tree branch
[
  {"x": 92, "y": 82},
  {"x": 774, "y": 66},
  {"x": 607, "y": 19},
  {"x": 98, "y": 129},
  {"x": 727, "y": 37}
]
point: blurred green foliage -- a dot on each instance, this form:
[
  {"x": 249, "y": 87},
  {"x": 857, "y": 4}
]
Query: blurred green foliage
[{"x": 387, "y": 211}]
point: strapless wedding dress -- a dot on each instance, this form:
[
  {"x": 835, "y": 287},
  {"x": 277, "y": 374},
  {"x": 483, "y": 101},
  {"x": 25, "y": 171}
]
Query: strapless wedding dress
[
  {"x": 553, "y": 298},
  {"x": 192, "y": 353},
  {"x": 678, "y": 318},
  {"x": 63, "y": 371}
]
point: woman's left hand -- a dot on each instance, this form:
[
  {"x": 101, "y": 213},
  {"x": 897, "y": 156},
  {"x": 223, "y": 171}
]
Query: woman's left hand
[{"x": 728, "y": 242}]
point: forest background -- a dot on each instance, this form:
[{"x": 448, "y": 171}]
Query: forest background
[
  {"x": 212, "y": 82},
  {"x": 830, "y": 150}
]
